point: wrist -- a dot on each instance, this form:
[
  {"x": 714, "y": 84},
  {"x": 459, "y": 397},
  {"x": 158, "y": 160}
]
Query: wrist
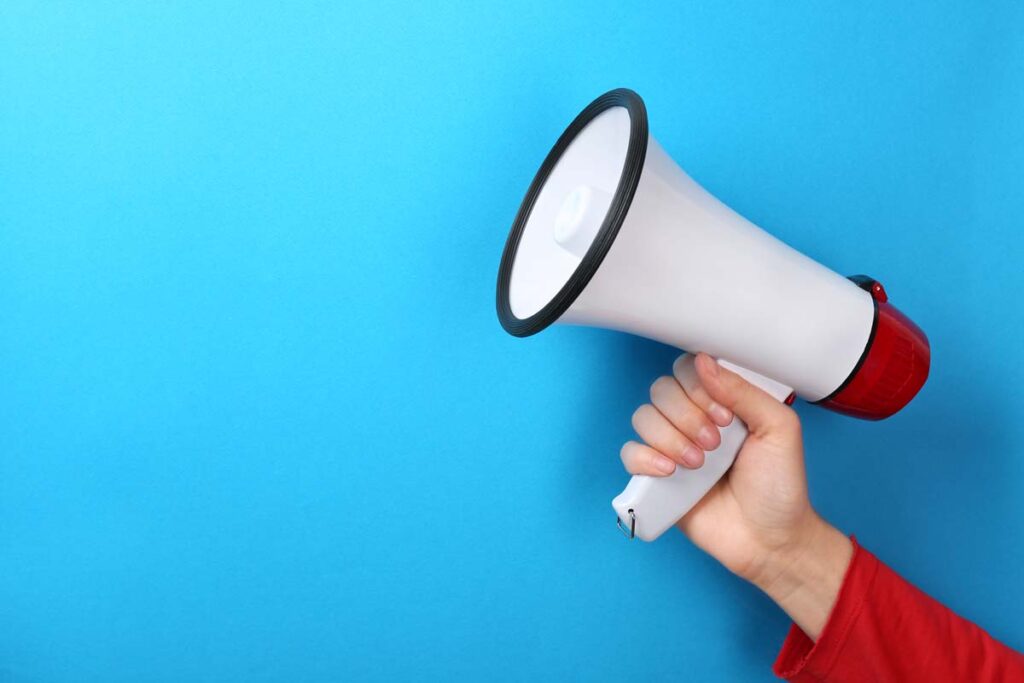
[{"x": 805, "y": 579}]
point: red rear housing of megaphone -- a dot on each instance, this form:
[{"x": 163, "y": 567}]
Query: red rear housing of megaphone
[{"x": 893, "y": 367}]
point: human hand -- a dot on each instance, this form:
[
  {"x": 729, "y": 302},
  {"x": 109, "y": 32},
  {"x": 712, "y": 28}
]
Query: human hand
[{"x": 757, "y": 520}]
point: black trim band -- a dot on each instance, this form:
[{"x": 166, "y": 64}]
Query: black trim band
[{"x": 633, "y": 165}]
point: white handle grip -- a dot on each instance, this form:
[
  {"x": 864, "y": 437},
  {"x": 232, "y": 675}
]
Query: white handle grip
[{"x": 650, "y": 505}]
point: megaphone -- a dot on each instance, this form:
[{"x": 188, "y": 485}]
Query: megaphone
[{"x": 612, "y": 233}]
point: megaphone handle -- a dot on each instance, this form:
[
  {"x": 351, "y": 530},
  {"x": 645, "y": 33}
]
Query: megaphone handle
[{"x": 650, "y": 505}]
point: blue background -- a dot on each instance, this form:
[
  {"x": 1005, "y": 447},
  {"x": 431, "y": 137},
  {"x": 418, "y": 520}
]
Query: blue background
[{"x": 258, "y": 420}]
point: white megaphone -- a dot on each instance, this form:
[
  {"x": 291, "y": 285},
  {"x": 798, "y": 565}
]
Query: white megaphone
[{"x": 612, "y": 233}]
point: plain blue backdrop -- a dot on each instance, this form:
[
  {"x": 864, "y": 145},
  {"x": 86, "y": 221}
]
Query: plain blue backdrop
[{"x": 258, "y": 421}]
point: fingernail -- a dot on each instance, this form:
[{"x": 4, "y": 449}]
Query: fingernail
[
  {"x": 706, "y": 438},
  {"x": 692, "y": 456},
  {"x": 720, "y": 414},
  {"x": 665, "y": 465}
]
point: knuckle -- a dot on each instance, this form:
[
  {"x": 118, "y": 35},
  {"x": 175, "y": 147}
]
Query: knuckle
[
  {"x": 788, "y": 421},
  {"x": 626, "y": 452},
  {"x": 679, "y": 365},
  {"x": 639, "y": 415},
  {"x": 662, "y": 388},
  {"x": 630, "y": 458}
]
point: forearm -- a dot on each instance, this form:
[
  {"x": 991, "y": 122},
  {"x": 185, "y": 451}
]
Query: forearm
[
  {"x": 877, "y": 627},
  {"x": 805, "y": 581}
]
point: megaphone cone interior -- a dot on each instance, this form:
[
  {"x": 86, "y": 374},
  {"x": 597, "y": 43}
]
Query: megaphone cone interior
[{"x": 572, "y": 212}]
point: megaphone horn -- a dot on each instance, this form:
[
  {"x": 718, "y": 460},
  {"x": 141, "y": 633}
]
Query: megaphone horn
[{"x": 612, "y": 233}]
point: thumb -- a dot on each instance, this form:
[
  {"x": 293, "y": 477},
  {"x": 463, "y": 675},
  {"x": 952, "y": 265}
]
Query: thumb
[{"x": 762, "y": 413}]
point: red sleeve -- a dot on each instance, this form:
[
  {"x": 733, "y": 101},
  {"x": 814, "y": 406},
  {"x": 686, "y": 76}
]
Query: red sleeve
[{"x": 884, "y": 629}]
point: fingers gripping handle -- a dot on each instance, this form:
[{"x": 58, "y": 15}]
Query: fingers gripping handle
[{"x": 650, "y": 505}]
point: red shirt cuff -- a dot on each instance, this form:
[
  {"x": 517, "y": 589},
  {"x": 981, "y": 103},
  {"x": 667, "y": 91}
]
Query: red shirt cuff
[{"x": 803, "y": 660}]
